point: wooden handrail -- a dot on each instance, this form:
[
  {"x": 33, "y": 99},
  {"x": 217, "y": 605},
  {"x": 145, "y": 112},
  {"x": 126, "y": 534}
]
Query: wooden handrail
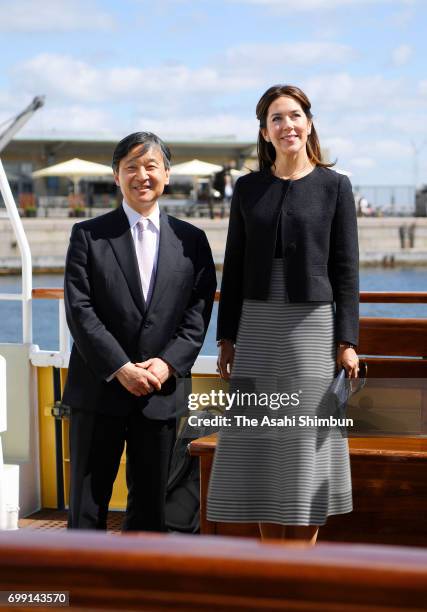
[
  {"x": 48, "y": 293},
  {"x": 393, "y": 297},
  {"x": 163, "y": 572},
  {"x": 383, "y": 297},
  {"x": 397, "y": 447}
]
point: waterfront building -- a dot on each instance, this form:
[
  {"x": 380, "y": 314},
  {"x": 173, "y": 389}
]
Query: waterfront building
[{"x": 24, "y": 155}]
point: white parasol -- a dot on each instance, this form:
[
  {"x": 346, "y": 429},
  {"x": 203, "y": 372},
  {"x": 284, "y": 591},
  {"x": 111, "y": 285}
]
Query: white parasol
[
  {"x": 195, "y": 168},
  {"x": 75, "y": 169}
]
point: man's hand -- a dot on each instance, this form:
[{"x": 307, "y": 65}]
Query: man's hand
[
  {"x": 138, "y": 380},
  {"x": 161, "y": 369}
]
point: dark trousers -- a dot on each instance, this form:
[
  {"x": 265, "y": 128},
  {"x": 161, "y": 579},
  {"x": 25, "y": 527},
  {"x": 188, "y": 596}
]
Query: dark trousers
[{"x": 96, "y": 446}]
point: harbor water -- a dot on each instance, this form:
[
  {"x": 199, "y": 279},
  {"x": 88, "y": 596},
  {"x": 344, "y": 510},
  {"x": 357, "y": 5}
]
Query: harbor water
[{"x": 45, "y": 312}]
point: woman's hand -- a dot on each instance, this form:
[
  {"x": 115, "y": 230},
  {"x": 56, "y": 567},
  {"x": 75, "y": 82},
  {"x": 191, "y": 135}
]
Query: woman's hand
[
  {"x": 225, "y": 359},
  {"x": 347, "y": 358}
]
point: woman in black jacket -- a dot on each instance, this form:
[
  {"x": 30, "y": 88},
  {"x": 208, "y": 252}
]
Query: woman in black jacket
[{"x": 288, "y": 317}]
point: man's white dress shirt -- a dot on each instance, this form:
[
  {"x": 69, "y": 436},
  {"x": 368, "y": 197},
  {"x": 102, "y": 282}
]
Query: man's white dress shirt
[
  {"x": 147, "y": 248},
  {"x": 147, "y": 242}
]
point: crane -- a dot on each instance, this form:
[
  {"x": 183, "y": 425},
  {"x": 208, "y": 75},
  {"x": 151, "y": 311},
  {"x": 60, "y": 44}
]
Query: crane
[{"x": 19, "y": 121}]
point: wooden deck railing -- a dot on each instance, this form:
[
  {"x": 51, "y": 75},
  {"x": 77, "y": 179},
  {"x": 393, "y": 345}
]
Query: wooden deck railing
[
  {"x": 48, "y": 293},
  {"x": 383, "y": 297},
  {"x": 202, "y": 574}
]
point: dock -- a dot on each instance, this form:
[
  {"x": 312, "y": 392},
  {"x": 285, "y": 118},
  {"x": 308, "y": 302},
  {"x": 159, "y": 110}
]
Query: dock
[{"x": 380, "y": 242}]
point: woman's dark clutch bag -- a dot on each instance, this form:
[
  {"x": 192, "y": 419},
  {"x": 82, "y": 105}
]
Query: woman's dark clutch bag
[{"x": 342, "y": 388}]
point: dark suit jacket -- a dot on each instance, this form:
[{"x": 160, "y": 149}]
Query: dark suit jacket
[
  {"x": 109, "y": 320},
  {"x": 316, "y": 217}
]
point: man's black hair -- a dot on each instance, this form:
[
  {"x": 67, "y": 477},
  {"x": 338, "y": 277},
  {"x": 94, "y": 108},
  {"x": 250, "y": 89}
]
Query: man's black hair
[{"x": 148, "y": 139}]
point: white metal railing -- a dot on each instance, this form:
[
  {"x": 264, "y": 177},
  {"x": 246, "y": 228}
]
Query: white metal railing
[
  {"x": 42, "y": 358},
  {"x": 3, "y": 427},
  {"x": 27, "y": 273},
  {"x": 58, "y": 359}
]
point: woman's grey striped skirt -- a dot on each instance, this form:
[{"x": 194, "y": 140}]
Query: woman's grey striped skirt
[{"x": 281, "y": 471}]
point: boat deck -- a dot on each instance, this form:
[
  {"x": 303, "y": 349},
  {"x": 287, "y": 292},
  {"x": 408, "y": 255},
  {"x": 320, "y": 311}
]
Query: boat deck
[{"x": 49, "y": 519}]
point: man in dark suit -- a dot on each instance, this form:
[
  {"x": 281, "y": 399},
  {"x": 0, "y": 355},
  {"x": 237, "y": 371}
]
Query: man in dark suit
[{"x": 139, "y": 288}]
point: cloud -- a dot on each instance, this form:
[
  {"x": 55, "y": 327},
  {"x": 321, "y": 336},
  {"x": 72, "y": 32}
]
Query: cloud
[
  {"x": 184, "y": 99},
  {"x": 81, "y": 121},
  {"x": 362, "y": 162},
  {"x": 242, "y": 68},
  {"x": 58, "y": 76},
  {"x": 422, "y": 87},
  {"x": 313, "y": 5},
  {"x": 52, "y": 16},
  {"x": 64, "y": 77},
  {"x": 401, "y": 19},
  {"x": 220, "y": 126},
  {"x": 338, "y": 146},
  {"x": 298, "y": 53},
  {"x": 73, "y": 119},
  {"x": 401, "y": 55},
  {"x": 389, "y": 148},
  {"x": 355, "y": 148},
  {"x": 344, "y": 92},
  {"x": 12, "y": 102}
]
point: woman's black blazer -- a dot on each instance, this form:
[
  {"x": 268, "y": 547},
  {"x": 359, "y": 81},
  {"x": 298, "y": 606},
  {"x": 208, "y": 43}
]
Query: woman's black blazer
[{"x": 316, "y": 216}]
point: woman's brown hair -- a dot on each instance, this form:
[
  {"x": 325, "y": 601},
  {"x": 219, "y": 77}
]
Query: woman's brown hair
[{"x": 265, "y": 150}]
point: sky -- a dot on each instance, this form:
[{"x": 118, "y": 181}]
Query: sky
[{"x": 196, "y": 69}]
